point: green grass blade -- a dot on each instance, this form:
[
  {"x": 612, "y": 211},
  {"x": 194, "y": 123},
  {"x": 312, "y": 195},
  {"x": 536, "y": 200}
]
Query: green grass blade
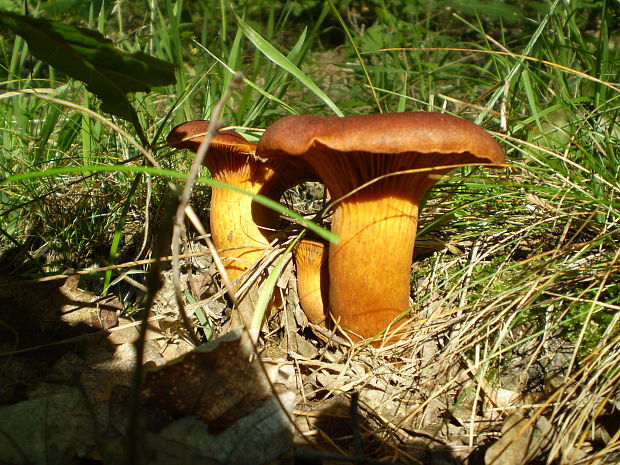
[
  {"x": 402, "y": 99},
  {"x": 356, "y": 50},
  {"x": 269, "y": 285},
  {"x": 278, "y": 58},
  {"x": 248, "y": 82},
  {"x": 118, "y": 232},
  {"x": 172, "y": 174}
]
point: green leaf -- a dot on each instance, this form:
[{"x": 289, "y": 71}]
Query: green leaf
[{"x": 87, "y": 56}]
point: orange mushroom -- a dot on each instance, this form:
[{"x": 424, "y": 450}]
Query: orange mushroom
[
  {"x": 240, "y": 227},
  {"x": 376, "y": 210}
]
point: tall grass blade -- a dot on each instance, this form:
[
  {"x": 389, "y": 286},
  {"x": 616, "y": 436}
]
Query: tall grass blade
[
  {"x": 172, "y": 174},
  {"x": 347, "y": 31},
  {"x": 278, "y": 58}
]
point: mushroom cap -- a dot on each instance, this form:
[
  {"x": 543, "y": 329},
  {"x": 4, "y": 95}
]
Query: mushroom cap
[
  {"x": 231, "y": 158},
  {"x": 237, "y": 221},
  {"x": 189, "y": 135},
  {"x": 388, "y": 133}
]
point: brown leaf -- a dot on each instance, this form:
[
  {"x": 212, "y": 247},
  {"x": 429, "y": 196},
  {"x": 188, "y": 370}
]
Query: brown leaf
[
  {"x": 523, "y": 440},
  {"x": 216, "y": 381}
]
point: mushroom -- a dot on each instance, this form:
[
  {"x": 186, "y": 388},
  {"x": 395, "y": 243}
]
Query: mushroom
[
  {"x": 240, "y": 226},
  {"x": 376, "y": 209},
  {"x": 312, "y": 279}
]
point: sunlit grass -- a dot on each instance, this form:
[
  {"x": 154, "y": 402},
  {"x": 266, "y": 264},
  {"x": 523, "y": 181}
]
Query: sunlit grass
[{"x": 532, "y": 249}]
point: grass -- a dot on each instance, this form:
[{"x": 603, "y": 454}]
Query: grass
[{"x": 532, "y": 252}]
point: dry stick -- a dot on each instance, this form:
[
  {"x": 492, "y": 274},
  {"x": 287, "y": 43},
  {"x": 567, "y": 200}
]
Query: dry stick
[
  {"x": 119, "y": 266},
  {"x": 147, "y": 207},
  {"x": 81, "y": 337},
  {"x": 154, "y": 283},
  {"x": 184, "y": 201},
  {"x": 133, "y": 432}
]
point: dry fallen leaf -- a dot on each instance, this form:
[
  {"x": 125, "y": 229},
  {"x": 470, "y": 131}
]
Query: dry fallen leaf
[
  {"x": 523, "y": 441},
  {"x": 215, "y": 398},
  {"x": 39, "y": 431},
  {"x": 216, "y": 381},
  {"x": 260, "y": 437}
]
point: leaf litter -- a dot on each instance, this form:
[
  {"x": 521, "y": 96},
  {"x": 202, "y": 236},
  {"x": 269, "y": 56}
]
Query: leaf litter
[{"x": 425, "y": 400}]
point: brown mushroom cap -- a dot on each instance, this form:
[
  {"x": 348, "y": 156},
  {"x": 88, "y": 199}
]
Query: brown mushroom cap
[
  {"x": 312, "y": 279},
  {"x": 369, "y": 268},
  {"x": 189, "y": 135},
  {"x": 238, "y": 224},
  {"x": 388, "y": 133}
]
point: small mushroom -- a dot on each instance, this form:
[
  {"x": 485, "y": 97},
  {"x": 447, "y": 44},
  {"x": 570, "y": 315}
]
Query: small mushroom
[
  {"x": 376, "y": 209},
  {"x": 235, "y": 222},
  {"x": 240, "y": 227},
  {"x": 312, "y": 279}
]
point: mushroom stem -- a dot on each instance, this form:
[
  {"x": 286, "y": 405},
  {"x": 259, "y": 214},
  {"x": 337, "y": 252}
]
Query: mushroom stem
[
  {"x": 375, "y": 250},
  {"x": 369, "y": 269},
  {"x": 240, "y": 227}
]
